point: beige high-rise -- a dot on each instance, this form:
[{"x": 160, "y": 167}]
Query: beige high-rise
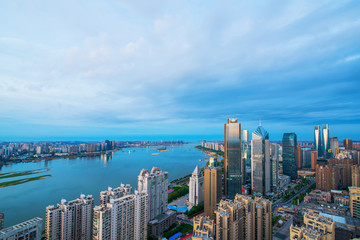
[
  {"x": 244, "y": 218},
  {"x": 203, "y": 228},
  {"x": 354, "y": 201},
  {"x": 212, "y": 187}
]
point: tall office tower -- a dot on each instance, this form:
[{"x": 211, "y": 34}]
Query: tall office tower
[
  {"x": 289, "y": 145},
  {"x": 122, "y": 218},
  {"x": 203, "y": 228},
  {"x": 258, "y": 217},
  {"x": 299, "y": 162},
  {"x": 334, "y": 145},
  {"x": 234, "y": 164},
  {"x": 196, "y": 188},
  {"x": 355, "y": 176},
  {"x": 155, "y": 185},
  {"x": 317, "y": 141},
  {"x": 354, "y": 202},
  {"x": 118, "y": 192},
  {"x": 230, "y": 222},
  {"x": 325, "y": 138},
  {"x": 313, "y": 160},
  {"x": 274, "y": 172},
  {"x": 212, "y": 187},
  {"x": 306, "y": 157},
  {"x": 2, "y": 217},
  {"x": 275, "y": 151},
  {"x": 70, "y": 220},
  {"x": 315, "y": 227},
  {"x": 29, "y": 230},
  {"x": 260, "y": 161},
  {"x": 245, "y": 136},
  {"x": 347, "y": 144}
]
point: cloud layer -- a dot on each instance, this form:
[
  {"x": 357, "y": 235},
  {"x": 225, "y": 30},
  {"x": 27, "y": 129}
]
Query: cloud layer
[{"x": 178, "y": 67}]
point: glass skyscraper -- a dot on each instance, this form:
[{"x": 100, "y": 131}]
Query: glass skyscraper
[
  {"x": 325, "y": 138},
  {"x": 317, "y": 141},
  {"x": 289, "y": 144},
  {"x": 260, "y": 161},
  {"x": 234, "y": 164}
]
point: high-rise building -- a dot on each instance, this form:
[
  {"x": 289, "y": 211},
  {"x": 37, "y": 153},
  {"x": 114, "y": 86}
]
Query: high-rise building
[
  {"x": 122, "y": 218},
  {"x": 354, "y": 202},
  {"x": 327, "y": 176},
  {"x": 275, "y": 157},
  {"x": 317, "y": 141},
  {"x": 260, "y": 162},
  {"x": 299, "y": 162},
  {"x": 306, "y": 157},
  {"x": 196, "y": 188},
  {"x": 347, "y": 144},
  {"x": 234, "y": 164},
  {"x": 334, "y": 145},
  {"x": 155, "y": 185},
  {"x": 29, "y": 230},
  {"x": 326, "y": 138},
  {"x": 70, "y": 220},
  {"x": 355, "y": 175},
  {"x": 203, "y": 228},
  {"x": 315, "y": 227},
  {"x": 289, "y": 146},
  {"x": 115, "y": 193},
  {"x": 245, "y": 136},
  {"x": 212, "y": 187},
  {"x": 244, "y": 218},
  {"x": 314, "y": 156}
]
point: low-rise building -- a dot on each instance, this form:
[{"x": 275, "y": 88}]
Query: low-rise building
[
  {"x": 203, "y": 228},
  {"x": 161, "y": 223},
  {"x": 29, "y": 230}
]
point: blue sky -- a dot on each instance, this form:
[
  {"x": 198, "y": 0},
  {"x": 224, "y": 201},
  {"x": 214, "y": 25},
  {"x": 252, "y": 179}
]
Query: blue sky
[{"x": 96, "y": 69}]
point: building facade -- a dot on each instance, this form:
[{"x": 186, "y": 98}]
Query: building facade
[
  {"x": 155, "y": 185},
  {"x": 289, "y": 145},
  {"x": 203, "y": 229},
  {"x": 234, "y": 164},
  {"x": 347, "y": 143},
  {"x": 28, "y": 230},
  {"x": 260, "y": 162},
  {"x": 317, "y": 141},
  {"x": 212, "y": 187},
  {"x": 196, "y": 187},
  {"x": 70, "y": 220},
  {"x": 325, "y": 138},
  {"x": 355, "y": 176},
  {"x": 334, "y": 146},
  {"x": 115, "y": 193},
  {"x": 354, "y": 201}
]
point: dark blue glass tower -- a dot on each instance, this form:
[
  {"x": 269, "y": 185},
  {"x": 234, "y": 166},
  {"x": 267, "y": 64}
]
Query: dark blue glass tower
[{"x": 289, "y": 144}]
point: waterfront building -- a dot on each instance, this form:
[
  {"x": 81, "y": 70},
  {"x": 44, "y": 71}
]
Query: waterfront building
[
  {"x": 244, "y": 218},
  {"x": 29, "y": 230},
  {"x": 115, "y": 193},
  {"x": 260, "y": 162},
  {"x": 347, "y": 144},
  {"x": 212, "y": 187},
  {"x": 289, "y": 145},
  {"x": 317, "y": 140},
  {"x": 155, "y": 185},
  {"x": 70, "y": 220},
  {"x": 234, "y": 164},
  {"x": 325, "y": 139},
  {"x": 203, "y": 228},
  {"x": 354, "y": 201},
  {"x": 196, "y": 188},
  {"x": 122, "y": 218},
  {"x": 315, "y": 227},
  {"x": 334, "y": 146},
  {"x": 299, "y": 161},
  {"x": 355, "y": 175}
]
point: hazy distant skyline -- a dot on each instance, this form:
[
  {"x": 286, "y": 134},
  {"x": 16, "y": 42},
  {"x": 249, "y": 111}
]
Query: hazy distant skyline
[{"x": 116, "y": 69}]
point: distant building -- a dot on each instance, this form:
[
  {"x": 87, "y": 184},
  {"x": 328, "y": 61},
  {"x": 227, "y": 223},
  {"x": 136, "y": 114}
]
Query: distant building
[
  {"x": 155, "y": 185},
  {"x": 299, "y": 158},
  {"x": 196, "y": 188},
  {"x": 334, "y": 146},
  {"x": 115, "y": 193},
  {"x": 275, "y": 158},
  {"x": 203, "y": 229},
  {"x": 347, "y": 144},
  {"x": 316, "y": 227},
  {"x": 355, "y": 176},
  {"x": 244, "y": 218},
  {"x": 354, "y": 202},
  {"x": 245, "y": 136},
  {"x": 234, "y": 164},
  {"x": 28, "y": 230},
  {"x": 122, "y": 218},
  {"x": 70, "y": 220},
  {"x": 314, "y": 156},
  {"x": 212, "y": 187},
  {"x": 289, "y": 155},
  {"x": 325, "y": 138},
  {"x": 317, "y": 141},
  {"x": 260, "y": 162},
  {"x": 306, "y": 157}
]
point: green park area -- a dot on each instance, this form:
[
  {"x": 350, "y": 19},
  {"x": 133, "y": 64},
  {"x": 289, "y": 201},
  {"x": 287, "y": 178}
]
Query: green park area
[{"x": 178, "y": 192}]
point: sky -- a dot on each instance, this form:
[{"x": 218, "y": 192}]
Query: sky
[{"x": 177, "y": 69}]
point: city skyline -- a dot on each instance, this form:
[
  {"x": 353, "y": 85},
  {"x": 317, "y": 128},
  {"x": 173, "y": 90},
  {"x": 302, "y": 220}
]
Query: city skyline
[{"x": 71, "y": 71}]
